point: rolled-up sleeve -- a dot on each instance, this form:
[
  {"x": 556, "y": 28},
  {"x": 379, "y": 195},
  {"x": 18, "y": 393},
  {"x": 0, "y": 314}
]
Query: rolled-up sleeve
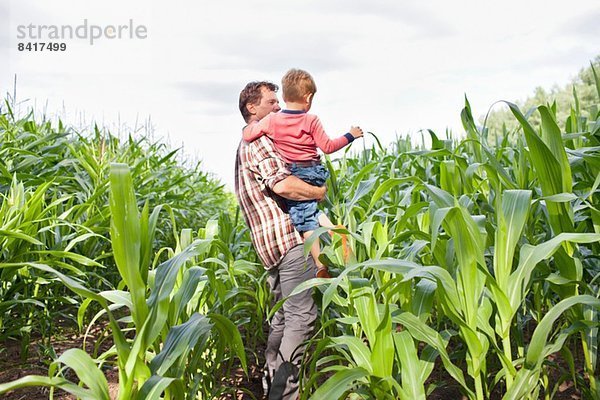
[{"x": 267, "y": 163}]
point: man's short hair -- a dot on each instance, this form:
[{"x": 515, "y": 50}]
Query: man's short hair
[
  {"x": 296, "y": 84},
  {"x": 252, "y": 94}
]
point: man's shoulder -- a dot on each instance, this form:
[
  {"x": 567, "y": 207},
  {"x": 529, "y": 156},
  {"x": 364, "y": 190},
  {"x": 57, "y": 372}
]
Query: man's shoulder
[
  {"x": 255, "y": 151},
  {"x": 263, "y": 142}
]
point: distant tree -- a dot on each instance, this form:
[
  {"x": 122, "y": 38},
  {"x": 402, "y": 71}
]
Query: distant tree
[{"x": 583, "y": 87}]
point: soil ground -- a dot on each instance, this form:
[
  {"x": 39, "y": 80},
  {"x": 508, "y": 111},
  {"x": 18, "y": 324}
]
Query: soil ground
[
  {"x": 241, "y": 387},
  {"x": 12, "y": 367}
]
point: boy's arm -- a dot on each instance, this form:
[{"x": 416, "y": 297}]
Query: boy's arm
[
  {"x": 254, "y": 130},
  {"x": 324, "y": 142}
]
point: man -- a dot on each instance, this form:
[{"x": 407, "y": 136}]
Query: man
[{"x": 261, "y": 180}]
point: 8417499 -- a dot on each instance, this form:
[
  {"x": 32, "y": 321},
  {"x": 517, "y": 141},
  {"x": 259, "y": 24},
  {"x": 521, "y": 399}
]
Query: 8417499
[{"x": 41, "y": 46}]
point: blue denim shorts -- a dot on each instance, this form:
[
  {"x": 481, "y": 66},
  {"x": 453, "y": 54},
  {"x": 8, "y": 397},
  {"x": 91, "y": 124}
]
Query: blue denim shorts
[{"x": 305, "y": 214}]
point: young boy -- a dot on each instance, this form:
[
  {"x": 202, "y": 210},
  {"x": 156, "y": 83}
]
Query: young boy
[{"x": 296, "y": 136}]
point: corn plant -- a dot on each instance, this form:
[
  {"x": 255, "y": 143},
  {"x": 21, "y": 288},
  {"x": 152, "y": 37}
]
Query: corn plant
[
  {"x": 152, "y": 362},
  {"x": 478, "y": 256},
  {"x": 374, "y": 358},
  {"x": 27, "y": 223},
  {"x": 68, "y": 171},
  {"x": 498, "y": 237}
]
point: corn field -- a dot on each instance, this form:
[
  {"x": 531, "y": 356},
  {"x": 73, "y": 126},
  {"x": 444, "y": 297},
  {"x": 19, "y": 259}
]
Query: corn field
[{"x": 463, "y": 265}]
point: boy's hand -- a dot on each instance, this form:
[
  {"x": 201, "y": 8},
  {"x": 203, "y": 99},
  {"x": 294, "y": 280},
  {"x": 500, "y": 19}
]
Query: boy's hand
[{"x": 356, "y": 132}]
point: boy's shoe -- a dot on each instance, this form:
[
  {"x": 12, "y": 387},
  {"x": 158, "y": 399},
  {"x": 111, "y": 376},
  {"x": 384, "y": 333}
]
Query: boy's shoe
[{"x": 323, "y": 272}]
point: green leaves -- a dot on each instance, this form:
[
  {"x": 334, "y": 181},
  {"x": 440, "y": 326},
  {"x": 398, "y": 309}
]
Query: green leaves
[
  {"x": 531, "y": 255},
  {"x": 550, "y": 162},
  {"x": 382, "y": 356},
  {"x": 87, "y": 372},
  {"x": 511, "y": 221},
  {"x": 35, "y": 380},
  {"x": 361, "y": 354},
  {"x": 412, "y": 374},
  {"x": 148, "y": 330},
  {"x": 528, "y": 375},
  {"x": 340, "y": 383},
  {"x": 424, "y": 333},
  {"x": 461, "y": 246},
  {"x": 83, "y": 366},
  {"x": 180, "y": 340},
  {"x": 125, "y": 237}
]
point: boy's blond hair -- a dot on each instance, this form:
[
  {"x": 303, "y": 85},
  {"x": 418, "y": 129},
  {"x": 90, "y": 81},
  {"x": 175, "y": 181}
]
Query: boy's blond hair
[{"x": 296, "y": 84}]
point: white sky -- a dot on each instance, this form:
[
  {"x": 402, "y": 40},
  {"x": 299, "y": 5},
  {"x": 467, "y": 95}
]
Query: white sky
[{"x": 393, "y": 67}]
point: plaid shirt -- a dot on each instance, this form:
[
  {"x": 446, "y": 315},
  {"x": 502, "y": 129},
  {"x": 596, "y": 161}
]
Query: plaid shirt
[{"x": 258, "y": 168}]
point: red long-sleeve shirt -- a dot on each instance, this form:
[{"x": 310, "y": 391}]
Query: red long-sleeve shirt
[{"x": 296, "y": 135}]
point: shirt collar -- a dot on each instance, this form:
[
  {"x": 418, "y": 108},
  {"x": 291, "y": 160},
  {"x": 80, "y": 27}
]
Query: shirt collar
[{"x": 293, "y": 111}]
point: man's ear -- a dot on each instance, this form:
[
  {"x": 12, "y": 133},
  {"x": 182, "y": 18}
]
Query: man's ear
[{"x": 251, "y": 108}]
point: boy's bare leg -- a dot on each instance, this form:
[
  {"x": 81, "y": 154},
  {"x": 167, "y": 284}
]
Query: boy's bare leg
[
  {"x": 325, "y": 221},
  {"x": 315, "y": 251}
]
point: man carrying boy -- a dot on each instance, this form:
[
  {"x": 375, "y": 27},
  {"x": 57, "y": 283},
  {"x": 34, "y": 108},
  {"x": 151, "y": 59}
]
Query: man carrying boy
[
  {"x": 261, "y": 181},
  {"x": 297, "y": 135}
]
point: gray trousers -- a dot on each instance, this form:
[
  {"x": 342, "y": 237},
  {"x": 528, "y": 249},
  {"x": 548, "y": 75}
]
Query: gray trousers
[{"x": 293, "y": 323}]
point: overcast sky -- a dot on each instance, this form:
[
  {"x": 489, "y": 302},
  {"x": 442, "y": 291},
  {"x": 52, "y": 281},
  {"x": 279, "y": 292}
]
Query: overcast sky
[{"x": 392, "y": 67}]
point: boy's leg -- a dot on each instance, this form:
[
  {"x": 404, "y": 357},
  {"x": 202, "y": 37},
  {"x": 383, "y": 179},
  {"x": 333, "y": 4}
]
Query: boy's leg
[
  {"x": 325, "y": 221},
  {"x": 315, "y": 248},
  {"x": 315, "y": 251},
  {"x": 316, "y": 175},
  {"x": 305, "y": 215}
]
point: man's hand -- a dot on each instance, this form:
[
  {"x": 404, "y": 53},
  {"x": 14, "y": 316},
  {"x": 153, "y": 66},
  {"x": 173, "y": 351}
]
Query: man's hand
[
  {"x": 356, "y": 132},
  {"x": 321, "y": 191},
  {"x": 293, "y": 188}
]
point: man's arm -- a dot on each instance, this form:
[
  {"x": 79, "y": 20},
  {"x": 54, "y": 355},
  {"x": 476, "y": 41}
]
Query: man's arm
[
  {"x": 293, "y": 188},
  {"x": 276, "y": 176}
]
